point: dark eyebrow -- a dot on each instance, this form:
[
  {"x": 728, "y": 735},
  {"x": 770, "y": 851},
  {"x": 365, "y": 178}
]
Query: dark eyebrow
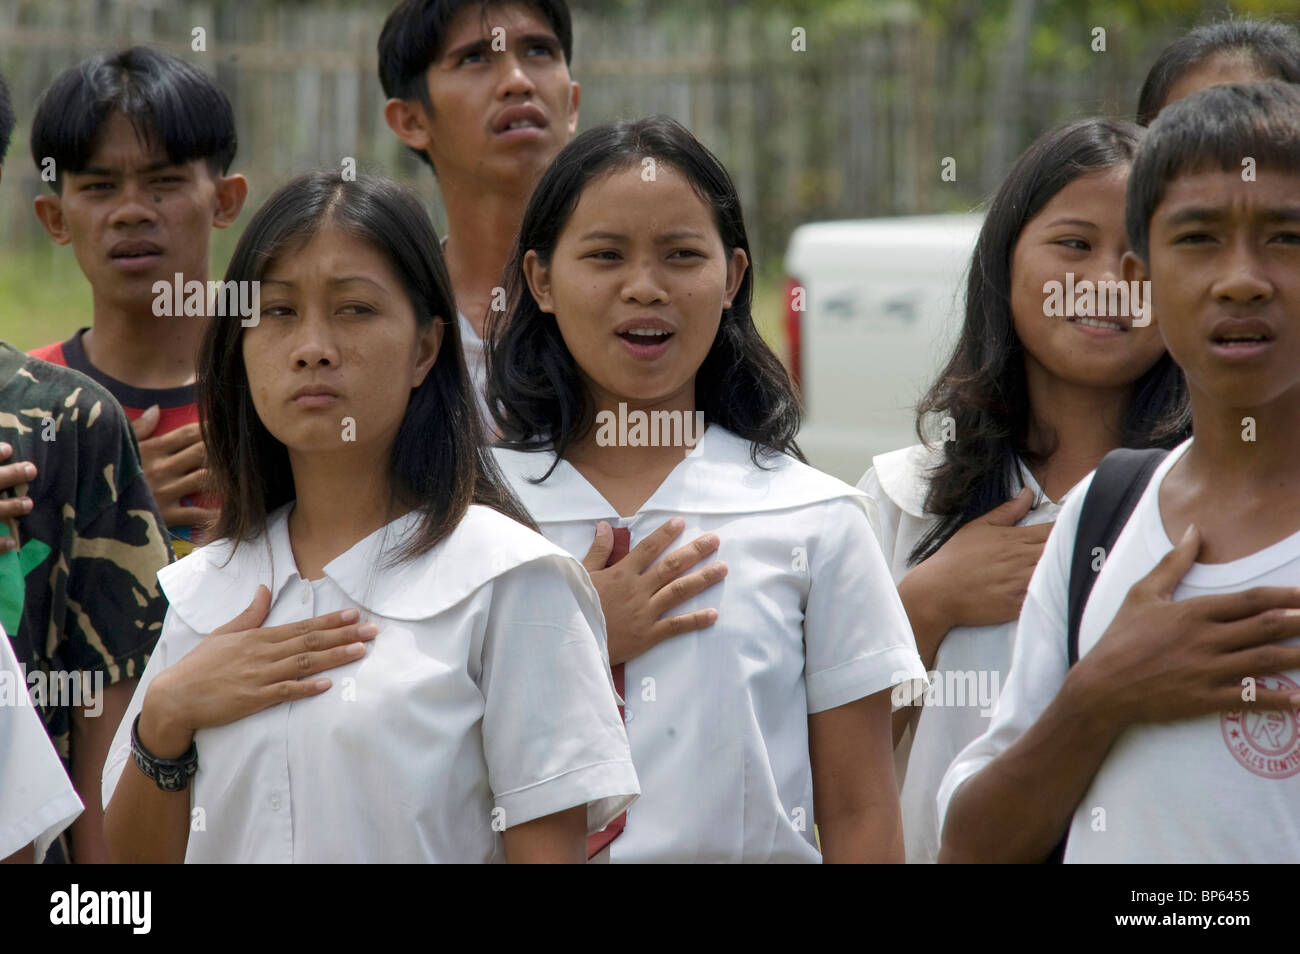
[
  {"x": 484, "y": 44},
  {"x": 1199, "y": 213},
  {"x": 1080, "y": 223},
  {"x": 1193, "y": 213},
  {"x": 545, "y": 39},
  {"x": 152, "y": 167},
  {"x": 341, "y": 280},
  {"x": 350, "y": 279},
  {"x": 674, "y": 236},
  {"x": 474, "y": 46}
]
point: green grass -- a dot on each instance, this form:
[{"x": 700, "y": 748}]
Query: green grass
[
  {"x": 43, "y": 296},
  {"x": 769, "y": 308}
]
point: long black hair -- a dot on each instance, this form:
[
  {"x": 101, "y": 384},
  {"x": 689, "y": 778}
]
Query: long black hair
[
  {"x": 534, "y": 388},
  {"x": 439, "y": 464},
  {"x": 1272, "y": 46},
  {"x": 983, "y": 387}
]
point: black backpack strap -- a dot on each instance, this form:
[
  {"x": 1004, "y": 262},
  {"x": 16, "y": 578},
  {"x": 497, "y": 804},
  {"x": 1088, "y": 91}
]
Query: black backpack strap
[{"x": 1116, "y": 487}]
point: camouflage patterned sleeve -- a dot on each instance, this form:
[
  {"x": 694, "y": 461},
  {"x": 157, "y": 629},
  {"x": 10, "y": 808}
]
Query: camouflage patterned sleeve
[{"x": 115, "y": 607}]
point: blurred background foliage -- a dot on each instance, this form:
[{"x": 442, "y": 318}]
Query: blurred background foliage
[{"x": 855, "y": 125}]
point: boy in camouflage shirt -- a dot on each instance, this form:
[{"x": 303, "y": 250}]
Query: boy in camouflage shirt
[{"x": 79, "y": 598}]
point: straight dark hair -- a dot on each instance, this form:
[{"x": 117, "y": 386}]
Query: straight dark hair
[
  {"x": 1215, "y": 128},
  {"x": 983, "y": 386},
  {"x": 439, "y": 463},
  {"x": 534, "y": 387},
  {"x": 1272, "y": 46},
  {"x": 167, "y": 100},
  {"x": 415, "y": 35}
]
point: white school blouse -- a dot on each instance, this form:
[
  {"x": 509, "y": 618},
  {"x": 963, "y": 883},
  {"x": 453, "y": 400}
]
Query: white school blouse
[
  {"x": 971, "y": 664},
  {"x": 808, "y": 619},
  {"x": 483, "y": 702},
  {"x": 37, "y": 800},
  {"x": 1218, "y": 788}
]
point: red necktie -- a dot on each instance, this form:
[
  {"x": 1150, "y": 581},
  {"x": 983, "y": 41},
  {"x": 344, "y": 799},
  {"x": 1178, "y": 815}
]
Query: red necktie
[{"x": 597, "y": 842}]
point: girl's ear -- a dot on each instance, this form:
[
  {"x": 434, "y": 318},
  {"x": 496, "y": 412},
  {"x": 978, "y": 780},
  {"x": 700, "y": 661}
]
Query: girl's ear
[
  {"x": 427, "y": 346},
  {"x": 737, "y": 263},
  {"x": 538, "y": 277}
]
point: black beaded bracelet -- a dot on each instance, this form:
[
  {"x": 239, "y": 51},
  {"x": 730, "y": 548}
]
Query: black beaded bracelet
[{"x": 171, "y": 775}]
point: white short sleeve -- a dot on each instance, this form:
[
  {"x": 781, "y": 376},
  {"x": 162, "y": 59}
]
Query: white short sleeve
[
  {"x": 1040, "y": 658},
  {"x": 857, "y": 638},
  {"x": 552, "y": 735},
  {"x": 37, "y": 800},
  {"x": 882, "y": 514}
]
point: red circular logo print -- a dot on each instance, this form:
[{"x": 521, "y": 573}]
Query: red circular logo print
[{"x": 1267, "y": 743}]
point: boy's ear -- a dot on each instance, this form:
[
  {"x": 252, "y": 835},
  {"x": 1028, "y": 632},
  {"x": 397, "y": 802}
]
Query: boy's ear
[
  {"x": 737, "y": 263},
  {"x": 426, "y": 351},
  {"x": 575, "y": 98},
  {"x": 231, "y": 193},
  {"x": 49, "y": 209},
  {"x": 407, "y": 118},
  {"x": 1133, "y": 269},
  {"x": 538, "y": 277}
]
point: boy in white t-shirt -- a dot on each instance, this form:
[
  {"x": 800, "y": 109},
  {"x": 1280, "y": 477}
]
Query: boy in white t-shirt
[{"x": 1176, "y": 737}]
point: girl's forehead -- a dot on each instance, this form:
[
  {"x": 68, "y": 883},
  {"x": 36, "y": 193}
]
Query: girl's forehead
[
  {"x": 327, "y": 251},
  {"x": 647, "y": 197}
]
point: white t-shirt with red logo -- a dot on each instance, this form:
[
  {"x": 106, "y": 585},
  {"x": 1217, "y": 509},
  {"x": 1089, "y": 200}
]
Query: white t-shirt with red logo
[{"x": 1223, "y": 787}]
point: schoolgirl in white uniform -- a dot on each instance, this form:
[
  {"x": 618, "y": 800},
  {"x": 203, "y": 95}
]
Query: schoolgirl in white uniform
[
  {"x": 468, "y": 714},
  {"x": 630, "y": 312},
  {"x": 1034, "y": 400}
]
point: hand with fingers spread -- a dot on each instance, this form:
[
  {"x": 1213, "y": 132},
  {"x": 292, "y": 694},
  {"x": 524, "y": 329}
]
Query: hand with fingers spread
[
  {"x": 635, "y": 596},
  {"x": 1158, "y": 661},
  {"x": 241, "y": 668},
  {"x": 13, "y": 475},
  {"x": 173, "y": 465},
  {"x": 1161, "y": 660}
]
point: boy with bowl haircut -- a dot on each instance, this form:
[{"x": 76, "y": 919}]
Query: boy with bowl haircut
[{"x": 139, "y": 144}]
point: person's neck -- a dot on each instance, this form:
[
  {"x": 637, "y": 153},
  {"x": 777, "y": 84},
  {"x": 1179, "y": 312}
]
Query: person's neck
[
  {"x": 337, "y": 504},
  {"x": 1079, "y": 424},
  {"x": 138, "y": 348},
  {"x": 1245, "y": 454},
  {"x": 627, "y": 476},
  {"x": 481, "y": 226}
]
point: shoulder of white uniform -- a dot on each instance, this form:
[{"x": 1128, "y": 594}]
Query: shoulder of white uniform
[{"x": 904, "y": 476}]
